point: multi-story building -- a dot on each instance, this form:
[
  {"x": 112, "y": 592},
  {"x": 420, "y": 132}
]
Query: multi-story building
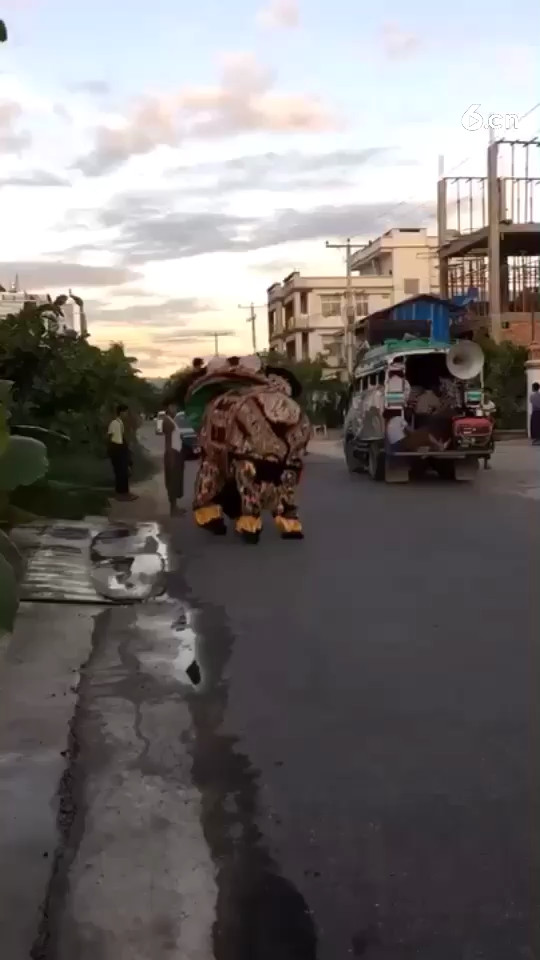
[
  {"x": 73, "y": 319},
  {"x": 14, "y": 301},
  {"x": 305, "y": 314},
  {"x": 406, "y": 258}
]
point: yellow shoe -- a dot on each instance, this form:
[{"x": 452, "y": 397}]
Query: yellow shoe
[
  {"x": 249, "y": 528},
  {"x": 289, "y": 527}
]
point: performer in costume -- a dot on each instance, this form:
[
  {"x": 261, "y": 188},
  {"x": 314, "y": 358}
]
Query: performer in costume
[{"x": 253, "y": 437}]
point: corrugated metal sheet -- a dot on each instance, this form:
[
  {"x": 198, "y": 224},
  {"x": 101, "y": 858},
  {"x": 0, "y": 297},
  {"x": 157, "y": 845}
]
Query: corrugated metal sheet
[{"x": 91, "y": 562}]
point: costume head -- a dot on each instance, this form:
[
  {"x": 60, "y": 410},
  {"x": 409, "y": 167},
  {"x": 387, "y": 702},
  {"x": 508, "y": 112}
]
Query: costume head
[{"x": 284, "y": 381}]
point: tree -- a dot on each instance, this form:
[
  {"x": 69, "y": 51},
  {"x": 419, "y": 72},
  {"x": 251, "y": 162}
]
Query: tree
[
  {"x": 504, "y": 375},
  {"x": 64, "y": 383}
]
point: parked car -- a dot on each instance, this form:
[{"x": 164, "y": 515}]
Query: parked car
[
  {"x": 159, "y": 421},
  {"x": 190, "y": 440}
]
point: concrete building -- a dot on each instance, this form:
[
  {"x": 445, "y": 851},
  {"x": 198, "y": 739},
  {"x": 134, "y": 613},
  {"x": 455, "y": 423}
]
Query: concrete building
[
  {"x": 305, "y": 314},
  {"x": 489, "y": 241},
  {"x": 14, "y": 301},
  {"x": 73, "y": 319},
  {"x": 403, "y": 260}
]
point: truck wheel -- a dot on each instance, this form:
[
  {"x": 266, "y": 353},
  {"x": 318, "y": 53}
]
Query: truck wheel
[
  {"x": 353, "y": 464},
  {"x": 376, "y": 463}
]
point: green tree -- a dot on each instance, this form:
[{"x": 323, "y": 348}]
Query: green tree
[
  {"x": 504, "y": 376},
  {"x": 64, "y": 383}
]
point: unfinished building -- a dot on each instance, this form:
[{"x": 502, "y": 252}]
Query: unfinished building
[{"x": 489, "y": 241}]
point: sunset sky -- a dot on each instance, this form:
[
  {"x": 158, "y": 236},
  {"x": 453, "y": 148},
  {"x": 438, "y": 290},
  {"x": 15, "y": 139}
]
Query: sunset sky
[{"x": 170, "y": 160}]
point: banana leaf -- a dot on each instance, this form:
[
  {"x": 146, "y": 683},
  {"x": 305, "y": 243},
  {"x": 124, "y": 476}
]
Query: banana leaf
[
  {"x": 9, "y": 552},
  {"x": 23, "y": 462},
  {"x": 9, "y": 597}
]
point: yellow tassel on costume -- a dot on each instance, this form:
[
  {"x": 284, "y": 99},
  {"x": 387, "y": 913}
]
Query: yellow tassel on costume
[
  {"x": 288, "y": 524},
  {"x": 205, "y": 515},
  {"x": 248, "y": 525}
]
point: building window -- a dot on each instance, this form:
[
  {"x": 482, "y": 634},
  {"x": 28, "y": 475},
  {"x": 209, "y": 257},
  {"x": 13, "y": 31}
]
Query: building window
[
  {"x": 271, "y": 323},
  {"x": 411, "y": 287},
  {"x": 305, "y": 346},
  {"x": 289, "y": 315},
  {"x": 361, "y": 305},
  {"x": 331, "y": 305},
  {"x": 291, "y": 349},
  {"x": 303, "y": 303}
]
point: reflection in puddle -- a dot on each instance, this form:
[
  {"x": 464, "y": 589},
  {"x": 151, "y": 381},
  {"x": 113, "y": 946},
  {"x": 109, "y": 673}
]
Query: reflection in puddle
[
  {"x": 174, "y": 641},
  {"x": 128, "y": 562}
]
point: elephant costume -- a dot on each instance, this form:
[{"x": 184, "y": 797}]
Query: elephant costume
[{"x": 253, "y": 437}]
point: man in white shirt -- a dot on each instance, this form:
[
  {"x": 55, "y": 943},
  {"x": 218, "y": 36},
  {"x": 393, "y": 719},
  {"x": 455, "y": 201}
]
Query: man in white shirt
[
  {"x": 119, "y": 454},
  {"x": 401, "y": 438}
]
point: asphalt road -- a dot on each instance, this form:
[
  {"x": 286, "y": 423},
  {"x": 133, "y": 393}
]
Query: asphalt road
[
  {"x": 366, "y": 735},
  {"x": 308, "y": 750}
]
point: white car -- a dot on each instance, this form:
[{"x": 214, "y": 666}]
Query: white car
[{"x": 159, "y": 421}]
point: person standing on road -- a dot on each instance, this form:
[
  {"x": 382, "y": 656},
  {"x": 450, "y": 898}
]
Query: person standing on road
[
  {"x": 174, "y": 459},
  {"x": 489, "y": 410},
  {"x": 119, "y": 453},
  {"x": 535, "y": 414}
]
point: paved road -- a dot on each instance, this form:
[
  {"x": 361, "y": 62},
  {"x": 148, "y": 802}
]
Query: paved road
[
  {"x": 355, "y": 774},
  {"x": 365, "y": 740}
]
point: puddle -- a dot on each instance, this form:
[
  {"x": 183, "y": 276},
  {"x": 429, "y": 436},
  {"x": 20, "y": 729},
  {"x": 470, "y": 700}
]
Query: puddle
[
  {"x": 174, "y": 642},
  {"x": 128, "y": 562}
]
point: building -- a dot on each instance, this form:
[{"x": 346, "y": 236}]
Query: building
[
  {"x": 14, "y": 301},
  {"x": 305, "y": 314},
  {"x": 404, "y": 263},
  {"x": 489, "y": 241},
  {"x": 72, "y": 319}
]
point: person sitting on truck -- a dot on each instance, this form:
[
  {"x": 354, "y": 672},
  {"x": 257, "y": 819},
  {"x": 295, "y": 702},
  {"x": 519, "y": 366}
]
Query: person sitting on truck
[{"x": 402, "y": 438}]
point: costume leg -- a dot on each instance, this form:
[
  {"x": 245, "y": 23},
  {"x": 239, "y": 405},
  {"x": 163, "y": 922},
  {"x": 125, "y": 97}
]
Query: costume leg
[
  {"x": 249, "y": 523},
  {"x": 286, "y": 516},
  {"x": 208, "y": 514}
]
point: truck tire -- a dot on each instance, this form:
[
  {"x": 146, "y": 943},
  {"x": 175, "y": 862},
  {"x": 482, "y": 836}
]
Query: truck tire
[
  {"x": 353, "y": 464},
  {"x": 376, "y": 462}
]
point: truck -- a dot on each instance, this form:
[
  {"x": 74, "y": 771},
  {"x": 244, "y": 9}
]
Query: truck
[{"x": 384, "y": 379}]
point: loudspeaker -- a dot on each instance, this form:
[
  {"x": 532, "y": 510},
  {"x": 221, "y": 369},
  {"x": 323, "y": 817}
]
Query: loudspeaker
[{"x": 465, "y": 360}]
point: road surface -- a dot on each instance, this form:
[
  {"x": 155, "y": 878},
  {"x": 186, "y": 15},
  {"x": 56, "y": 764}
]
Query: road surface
[{"x": 355, "y": 774}]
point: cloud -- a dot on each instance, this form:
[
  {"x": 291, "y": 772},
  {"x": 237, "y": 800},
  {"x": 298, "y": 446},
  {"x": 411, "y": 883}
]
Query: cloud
[
  {"x": 34, "y": 178},
  {"x": 397, "y": 43},
  {"x": 166, "y": 312},
  {"x": 278, "y": 14},
  {"x": 38, "y": 275},
  {"x": 148, "y": 230},
  {"x": 193, "y": 336},
  {"x": 11, "y": 139},
  {"x": 278, "y": 172},
  {"x": 278, "y": 267},
  {"x": 95, "y": 88},
  {"x": 243, "y": 102}
]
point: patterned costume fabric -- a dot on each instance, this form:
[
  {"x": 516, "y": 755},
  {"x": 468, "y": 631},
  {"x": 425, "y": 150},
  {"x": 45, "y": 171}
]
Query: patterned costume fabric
[{"x": 253, "y": 439}]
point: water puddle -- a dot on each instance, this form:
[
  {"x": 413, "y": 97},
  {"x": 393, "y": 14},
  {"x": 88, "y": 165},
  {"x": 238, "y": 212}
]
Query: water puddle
[{"x": 174, "y": 642}]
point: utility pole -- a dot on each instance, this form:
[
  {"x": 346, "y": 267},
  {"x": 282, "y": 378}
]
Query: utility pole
[
  {"x": 216, "y": 334},
  {"x": 494, "y": 239},
  {"x": 350, "y": 311},
  {"x": 252, "y": 319}
]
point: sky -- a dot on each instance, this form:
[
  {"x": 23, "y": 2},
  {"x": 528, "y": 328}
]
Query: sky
[{"x": 169, "y": 161}]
